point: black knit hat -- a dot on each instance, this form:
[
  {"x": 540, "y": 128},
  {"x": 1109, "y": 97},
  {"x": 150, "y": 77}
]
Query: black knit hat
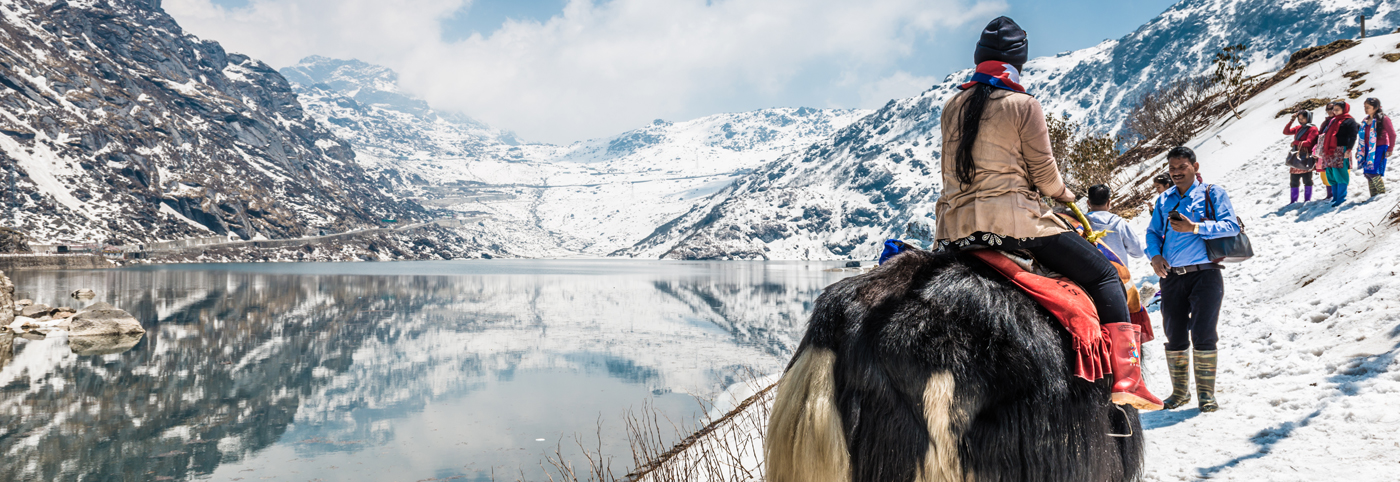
[{"x": 1003, "y": 41}]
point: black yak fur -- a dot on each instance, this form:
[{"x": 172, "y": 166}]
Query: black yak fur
[{"x": 1015, "y": 411}]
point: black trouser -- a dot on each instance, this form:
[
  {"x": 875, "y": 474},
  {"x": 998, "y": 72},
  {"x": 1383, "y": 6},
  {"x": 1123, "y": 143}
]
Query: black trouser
[
  {"x": 1306, "y": 179},
  {"x": 1070, "y": 255},
  {"x": 1190, "y": 309}
]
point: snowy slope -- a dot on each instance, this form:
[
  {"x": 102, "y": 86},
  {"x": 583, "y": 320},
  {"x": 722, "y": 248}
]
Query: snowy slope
[
  {"x": 122, "y": 128},
  {"x": 831, "y": 201},
  {"x": 1310, "y": 329}
]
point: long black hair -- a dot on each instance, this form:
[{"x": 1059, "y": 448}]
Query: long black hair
[
  {"x": 1375, "y": 104},
  {"x": 971, "y": 124}
]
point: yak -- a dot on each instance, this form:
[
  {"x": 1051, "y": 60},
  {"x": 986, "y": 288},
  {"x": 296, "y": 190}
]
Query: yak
[{"x": 934, "y": 367}]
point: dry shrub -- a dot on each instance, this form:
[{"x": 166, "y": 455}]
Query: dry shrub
[
  {"x": 1391, "y": 57},
  {"x": 1304, "y": 58},
  {"x": 723, "y": 450},
  {"x": 1173, "y": 114},
  {"x": 1085, "y": 158},
  {"x": 1310, "y": 104}
]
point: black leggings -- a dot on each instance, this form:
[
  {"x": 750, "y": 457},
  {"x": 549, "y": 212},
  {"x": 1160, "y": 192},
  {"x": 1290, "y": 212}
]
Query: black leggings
[
  {"x": 1306, "y": 178},
  {"x": 1070, "y": 255}
]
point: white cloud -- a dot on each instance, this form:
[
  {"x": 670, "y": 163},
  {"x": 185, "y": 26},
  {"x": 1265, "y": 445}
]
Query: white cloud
[
  {"x": 599, "y": 68},
  {"x": 898, "y": 85}
]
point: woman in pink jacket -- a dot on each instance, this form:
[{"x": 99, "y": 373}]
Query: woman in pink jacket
[{"x": 1377, "y": 138}]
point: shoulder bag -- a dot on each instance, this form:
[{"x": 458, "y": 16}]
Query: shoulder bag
[
  {"x": 1226, "y": 250},
  {"x": 1299, "y": 159}
]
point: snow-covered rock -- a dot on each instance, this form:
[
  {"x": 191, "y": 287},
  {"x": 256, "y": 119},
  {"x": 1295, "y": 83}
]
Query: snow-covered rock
[{"x": 102, "y": 319}]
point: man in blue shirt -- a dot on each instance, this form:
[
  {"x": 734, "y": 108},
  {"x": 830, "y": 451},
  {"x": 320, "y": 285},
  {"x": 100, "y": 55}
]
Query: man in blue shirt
[{"x": 1192, "y": 286}]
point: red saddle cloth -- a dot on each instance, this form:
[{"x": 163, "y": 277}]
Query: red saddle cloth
[{"x": 1069, "y": 304}]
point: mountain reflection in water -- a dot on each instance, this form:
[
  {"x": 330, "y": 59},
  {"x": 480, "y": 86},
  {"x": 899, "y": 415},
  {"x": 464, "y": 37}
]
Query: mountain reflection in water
[{"x": 385, "y": 371}]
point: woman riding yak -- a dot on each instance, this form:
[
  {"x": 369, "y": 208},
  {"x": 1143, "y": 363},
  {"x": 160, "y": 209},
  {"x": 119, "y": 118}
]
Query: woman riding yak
[{"x": 997, "y": 161}]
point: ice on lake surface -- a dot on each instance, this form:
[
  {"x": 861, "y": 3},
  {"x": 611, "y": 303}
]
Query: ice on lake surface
[{"x": 386, "y": 371}]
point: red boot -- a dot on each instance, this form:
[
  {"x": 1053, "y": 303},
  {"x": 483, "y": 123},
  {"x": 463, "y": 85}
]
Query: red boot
[{"x": 1128, "y": 388}]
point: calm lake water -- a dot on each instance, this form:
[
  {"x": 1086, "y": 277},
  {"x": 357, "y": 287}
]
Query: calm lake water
[{"x": 385, "y": 371}]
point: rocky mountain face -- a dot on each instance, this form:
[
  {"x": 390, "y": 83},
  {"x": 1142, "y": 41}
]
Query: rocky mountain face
[
  {"x": 842, "y": 197},
  {"x": 119, "y": 127}
]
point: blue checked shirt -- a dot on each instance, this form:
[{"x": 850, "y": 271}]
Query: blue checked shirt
[{"x": 1186, "y": 249}]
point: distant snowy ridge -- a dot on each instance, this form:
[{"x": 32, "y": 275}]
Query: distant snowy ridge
[
  {"x": 842, "y": 197},
  {"x": 591, "y": 197}
]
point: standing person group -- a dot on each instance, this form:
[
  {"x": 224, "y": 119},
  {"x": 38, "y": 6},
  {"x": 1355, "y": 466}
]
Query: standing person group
[{"x": 1335, "y": 143}]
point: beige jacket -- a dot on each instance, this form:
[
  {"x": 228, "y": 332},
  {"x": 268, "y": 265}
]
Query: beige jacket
[{"x": 1013, "y": 159}]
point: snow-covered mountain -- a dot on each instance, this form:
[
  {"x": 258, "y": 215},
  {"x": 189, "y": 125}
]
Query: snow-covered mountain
[
  {"x": 592, "y": 197},
  {"x": 841, "y": 197},
  {"x": 120, "y": 127}
]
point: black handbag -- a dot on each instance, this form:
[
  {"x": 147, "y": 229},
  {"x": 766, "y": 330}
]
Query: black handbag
[
  {"x": 1301, "y": 160},
  {"x": 1226, "y": 250}
]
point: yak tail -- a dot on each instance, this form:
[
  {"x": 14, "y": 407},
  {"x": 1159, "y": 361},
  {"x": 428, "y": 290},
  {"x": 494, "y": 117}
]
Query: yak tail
[{"x": 805, "y": 440}]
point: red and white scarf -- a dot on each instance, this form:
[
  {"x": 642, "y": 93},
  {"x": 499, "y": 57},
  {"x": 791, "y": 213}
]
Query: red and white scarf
[{"x": 996, "y": 74}]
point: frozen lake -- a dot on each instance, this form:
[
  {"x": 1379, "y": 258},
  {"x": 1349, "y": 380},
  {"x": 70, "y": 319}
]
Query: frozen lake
[{"x": 386, "y": 371}]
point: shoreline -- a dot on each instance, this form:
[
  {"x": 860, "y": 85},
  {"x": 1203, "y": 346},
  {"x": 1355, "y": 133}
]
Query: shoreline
[{"x": 17, "y": 262}]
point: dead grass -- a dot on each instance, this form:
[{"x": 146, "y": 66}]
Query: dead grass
[
  {"x": 1392, "y": 57},
  {"x": 720, "y": 451},
  {"x": 1310, "y": 104}
]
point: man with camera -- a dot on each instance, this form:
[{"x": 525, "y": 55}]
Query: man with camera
[{"x": 1183, "y": 218}]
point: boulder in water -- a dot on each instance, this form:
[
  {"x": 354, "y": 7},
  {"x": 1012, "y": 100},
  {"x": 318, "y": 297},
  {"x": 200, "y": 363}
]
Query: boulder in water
[
  {"x": 103, "y": 344},
  {"x": 39, "y": 310},
  {"x": 103, "y": 319},
  {"x": 84, "y": 293}
]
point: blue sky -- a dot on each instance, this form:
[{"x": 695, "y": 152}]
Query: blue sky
[{"x": 561, "y": 70}]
